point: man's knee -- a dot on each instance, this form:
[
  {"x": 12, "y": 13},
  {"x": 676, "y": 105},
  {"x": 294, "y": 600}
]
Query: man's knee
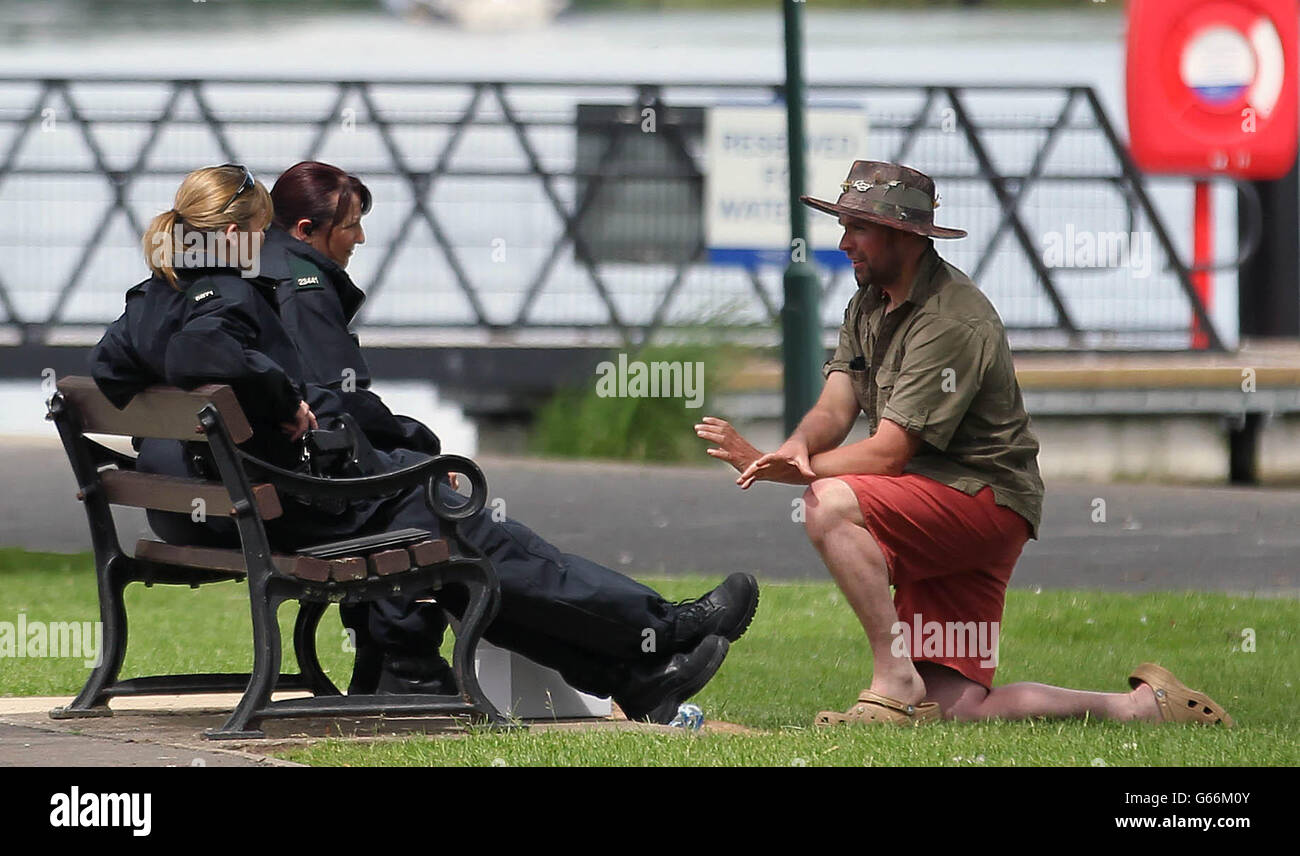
[
  {"x": 829, "y": 503},
  {"x": 959, "y": 697},
  {"x": 967, "y": 708}
]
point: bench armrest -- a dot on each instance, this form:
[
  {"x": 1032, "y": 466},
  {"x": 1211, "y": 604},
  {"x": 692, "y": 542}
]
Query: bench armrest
[{"x": 426, "y": 473}]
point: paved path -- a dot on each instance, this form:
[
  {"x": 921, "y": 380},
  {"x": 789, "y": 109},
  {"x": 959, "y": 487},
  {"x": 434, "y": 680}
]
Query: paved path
[
  {"x": 24, "y": 746},
  {"x": 166, "y": 731},
  {"x": 652, "y": 520}
]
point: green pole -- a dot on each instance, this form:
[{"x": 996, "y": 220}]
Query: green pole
[{"x": 801, "y": 328}]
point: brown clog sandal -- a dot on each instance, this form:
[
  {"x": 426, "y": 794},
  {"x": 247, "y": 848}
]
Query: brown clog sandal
[
  {"x": 1177, "y": 703},
  {"x": 872, "y": 707}
]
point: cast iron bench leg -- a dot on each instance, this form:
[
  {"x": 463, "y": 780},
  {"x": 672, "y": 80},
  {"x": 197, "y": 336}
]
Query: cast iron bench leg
[
  {"x": 304, "y": 647},
  {"x": 480, "y": 610},
  {"x": 266, "y": 666},
  {"x": 93, "y": 700}
]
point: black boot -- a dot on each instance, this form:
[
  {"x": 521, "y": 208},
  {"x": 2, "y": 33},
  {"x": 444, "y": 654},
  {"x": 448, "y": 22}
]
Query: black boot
[
  {"x": 654, "y": 693},
  {"x": 726, "y": 611}
]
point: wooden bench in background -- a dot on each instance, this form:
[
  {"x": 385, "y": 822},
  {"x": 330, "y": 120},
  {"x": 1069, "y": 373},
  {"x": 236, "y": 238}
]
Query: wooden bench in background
[{"x": 249, "y": 491}]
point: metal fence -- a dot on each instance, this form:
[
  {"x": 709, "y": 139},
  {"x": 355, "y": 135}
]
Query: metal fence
[{"x": 529, "y": 213}]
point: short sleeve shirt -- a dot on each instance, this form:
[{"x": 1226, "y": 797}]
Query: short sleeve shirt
[{"x": 939, "y": 365}]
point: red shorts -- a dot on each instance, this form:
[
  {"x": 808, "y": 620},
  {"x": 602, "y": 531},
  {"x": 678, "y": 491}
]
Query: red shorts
[{"x": 949, "y": 556}]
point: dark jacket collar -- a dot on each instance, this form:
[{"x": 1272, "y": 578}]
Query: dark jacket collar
[
  {"x": 206, "y": 264},
  {"x": 280, "y": 245},
  {"x": 187, "y": 276}
]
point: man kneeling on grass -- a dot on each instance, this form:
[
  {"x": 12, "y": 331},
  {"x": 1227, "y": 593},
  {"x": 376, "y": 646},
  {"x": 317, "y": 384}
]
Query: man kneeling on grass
[{"x": 940, "y": 500}]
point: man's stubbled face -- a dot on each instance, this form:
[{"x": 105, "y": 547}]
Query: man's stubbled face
[{"x": 874, "y": 250}]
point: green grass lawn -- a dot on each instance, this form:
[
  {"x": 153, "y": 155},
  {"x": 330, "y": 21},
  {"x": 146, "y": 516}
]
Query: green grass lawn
[{"x": 803, "y": 653}]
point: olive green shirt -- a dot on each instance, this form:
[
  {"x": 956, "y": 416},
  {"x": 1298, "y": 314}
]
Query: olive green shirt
[{"x": 939, "y": 365}]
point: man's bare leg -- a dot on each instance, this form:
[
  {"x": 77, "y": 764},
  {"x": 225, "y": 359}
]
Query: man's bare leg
[
  {"x": 961, "y": 698},
  {"x": 834, "y": 524}
]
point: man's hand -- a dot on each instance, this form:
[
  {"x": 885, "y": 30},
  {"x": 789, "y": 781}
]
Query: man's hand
[
  {"x": 787, "y": 465},
  {"x": 731, "y": 447},
  {"x": 303, "y": 420}
]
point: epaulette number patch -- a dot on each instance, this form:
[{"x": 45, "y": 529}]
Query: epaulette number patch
[
  {"x": 304, "y": 275},
  {"x": 204, "y": 295}
]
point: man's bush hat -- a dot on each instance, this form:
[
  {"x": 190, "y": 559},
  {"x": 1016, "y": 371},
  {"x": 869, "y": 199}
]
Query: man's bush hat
[{"x": 889, "y": 194}]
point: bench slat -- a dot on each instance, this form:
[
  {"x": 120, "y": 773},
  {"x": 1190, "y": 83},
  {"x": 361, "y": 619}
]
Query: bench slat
[
  {"x": 232, "y": 561},
  {"x": 162, "y": 412},
  {"x": 389, "y": 562},
  {"x": 428, "y": 553},
  {"x": 173, "y": 493},
  {"x": 207, "y": 558},
  {"x": 345, "y": 570}
]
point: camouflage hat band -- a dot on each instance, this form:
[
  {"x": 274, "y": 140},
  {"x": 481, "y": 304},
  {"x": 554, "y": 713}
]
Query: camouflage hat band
[
  {"x": 886, "y": 209},
  {"x": 893, "y": 192}
]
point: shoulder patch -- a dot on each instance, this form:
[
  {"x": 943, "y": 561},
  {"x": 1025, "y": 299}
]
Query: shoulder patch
[
  {"x": 305, "y": 276},
  {"x": 201, "y": 291}
]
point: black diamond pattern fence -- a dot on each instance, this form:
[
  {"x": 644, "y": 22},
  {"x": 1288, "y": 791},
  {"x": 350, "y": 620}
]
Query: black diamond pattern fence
[{"x": 570, "y": 213}]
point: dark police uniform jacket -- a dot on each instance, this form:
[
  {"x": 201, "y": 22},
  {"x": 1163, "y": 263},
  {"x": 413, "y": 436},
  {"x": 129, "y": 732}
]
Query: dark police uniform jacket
[
  {"x": 318, "y": 300},
  {"x": 223, "y": 328}
]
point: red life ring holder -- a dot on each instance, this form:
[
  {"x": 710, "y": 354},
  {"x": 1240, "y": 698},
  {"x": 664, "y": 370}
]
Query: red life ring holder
[{"x": 1212, "y": 86}]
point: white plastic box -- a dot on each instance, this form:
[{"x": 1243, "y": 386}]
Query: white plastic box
[{"x": 519, "y": 687}]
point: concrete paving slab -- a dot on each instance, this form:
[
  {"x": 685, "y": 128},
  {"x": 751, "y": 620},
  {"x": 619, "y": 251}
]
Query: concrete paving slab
[{"x": 24, "y": 745}]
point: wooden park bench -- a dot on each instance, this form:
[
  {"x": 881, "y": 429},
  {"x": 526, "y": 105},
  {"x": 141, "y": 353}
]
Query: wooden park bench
[{"x": 250, "y": 491}]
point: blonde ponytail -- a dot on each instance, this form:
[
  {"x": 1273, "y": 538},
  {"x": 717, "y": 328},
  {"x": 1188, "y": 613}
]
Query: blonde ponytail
[
  {"x": 160, "y": 245},
  {"x": 199, "y": 208}
]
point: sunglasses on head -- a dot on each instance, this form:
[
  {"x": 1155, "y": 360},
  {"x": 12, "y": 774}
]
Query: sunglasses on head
[{"x": 248, "y": 183}]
